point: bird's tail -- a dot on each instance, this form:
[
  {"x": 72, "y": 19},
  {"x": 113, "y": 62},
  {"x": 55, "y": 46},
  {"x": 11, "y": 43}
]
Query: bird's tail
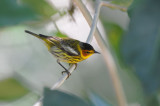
[{"x": 40, "y": 36}]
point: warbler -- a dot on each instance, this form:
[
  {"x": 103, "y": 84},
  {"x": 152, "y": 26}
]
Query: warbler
[{"x": 66, "y": 49}]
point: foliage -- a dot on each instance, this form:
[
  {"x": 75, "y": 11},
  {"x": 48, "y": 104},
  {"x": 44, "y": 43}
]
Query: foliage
[
  {"x": 58, "y": 98},
  {"x": 140, "y": 45},
  {"x": 60, "y": 34},
  {"x": 44, "y": 9},
  {"x": 10, "y": 89},
  {"x": 143, "y": 55},
  {"x": 124, "y": 3},
  {"x": 114, "y": 33},
  {"x": 14, "y": 13}
]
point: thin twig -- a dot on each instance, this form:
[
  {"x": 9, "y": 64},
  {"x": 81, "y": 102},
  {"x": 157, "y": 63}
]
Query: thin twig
[
  {"x": 94, "y": 22},
  {"x": 107, "y": 4},
  {"x": 99, "y": 4},
  {"x": 109, "y": 60}
]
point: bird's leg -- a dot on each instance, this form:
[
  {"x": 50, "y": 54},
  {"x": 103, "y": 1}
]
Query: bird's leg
[
  {"x": 64, "y": 68},
  {"x": 75, "y": 65}
]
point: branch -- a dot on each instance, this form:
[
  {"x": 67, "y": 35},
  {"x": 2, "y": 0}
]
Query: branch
[
  {"x": 109, "y": 60},
  {"x": 107, "y": 4},
  {"x": 96, "y": 15},
  {"x": 94, "y": 22}
]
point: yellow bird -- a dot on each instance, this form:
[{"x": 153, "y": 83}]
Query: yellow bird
[{"x": 66, "y": 49}]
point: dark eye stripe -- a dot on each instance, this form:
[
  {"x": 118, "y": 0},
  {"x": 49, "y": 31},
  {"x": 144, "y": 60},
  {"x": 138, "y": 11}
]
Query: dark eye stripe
[{"x": 87, "y": 52}]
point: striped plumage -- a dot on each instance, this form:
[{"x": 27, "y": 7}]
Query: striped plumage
[{"x": 66, "y": 49}]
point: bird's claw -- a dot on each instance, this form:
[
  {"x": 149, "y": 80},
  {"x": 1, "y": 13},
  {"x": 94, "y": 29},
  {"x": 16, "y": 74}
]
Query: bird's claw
[{"x": 67, "y": 73}]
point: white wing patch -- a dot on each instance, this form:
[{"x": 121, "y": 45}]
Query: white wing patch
[{"x": 71, "y": 50}]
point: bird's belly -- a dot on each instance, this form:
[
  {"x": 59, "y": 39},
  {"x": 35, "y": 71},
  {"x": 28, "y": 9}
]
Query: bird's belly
[
  {"x": 71, "y": 60},
  {"x": 65, "y": 57}
]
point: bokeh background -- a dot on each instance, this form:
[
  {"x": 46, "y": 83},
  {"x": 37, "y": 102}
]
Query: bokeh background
[{"x": 26, "y": 67}]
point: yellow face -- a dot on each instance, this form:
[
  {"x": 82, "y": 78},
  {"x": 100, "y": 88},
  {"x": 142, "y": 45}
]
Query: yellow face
[{"x": 86, "y": 53}]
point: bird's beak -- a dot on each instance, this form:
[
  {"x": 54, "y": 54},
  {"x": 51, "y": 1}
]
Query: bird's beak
[{"x": 96, "y": 52}]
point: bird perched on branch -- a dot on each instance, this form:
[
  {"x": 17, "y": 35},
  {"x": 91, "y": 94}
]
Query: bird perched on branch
[{"x": 66, "y": 49}]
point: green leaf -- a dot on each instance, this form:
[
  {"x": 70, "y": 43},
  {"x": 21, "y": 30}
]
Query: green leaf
[
  {"x": 10, "y": 89},
  {"x": 59, "y": 34},
  {"x": 97, "y": 100},
  {"x": 42, "y": 7},
  {"x": 124, "y": 3},
  {"x": 114, "y": 33},
  {"x": 133, "y": 6},
  {"x": 58, "y": 98},
  {"x": 11, "y": 13},
  {"x": 141, "y": 44}
]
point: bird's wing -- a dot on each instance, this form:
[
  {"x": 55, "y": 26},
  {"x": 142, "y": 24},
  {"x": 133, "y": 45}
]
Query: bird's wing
[
  {"x": 54, "y": 38},
  {"x": 70, "y": 46},
  {"x": 54, "y": 41},
  {"x": 67, "y": 45}
]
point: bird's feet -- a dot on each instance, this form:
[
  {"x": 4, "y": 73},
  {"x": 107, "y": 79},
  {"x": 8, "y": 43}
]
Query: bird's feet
[{"x": 67, "y": 73}]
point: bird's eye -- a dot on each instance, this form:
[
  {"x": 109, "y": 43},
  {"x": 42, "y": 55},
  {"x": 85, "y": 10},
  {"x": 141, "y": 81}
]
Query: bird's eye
[{"x": 87, "y": 52}]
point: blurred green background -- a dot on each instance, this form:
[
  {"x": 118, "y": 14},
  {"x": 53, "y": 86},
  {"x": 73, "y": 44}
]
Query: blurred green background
[{"x": 26, "y": 67}]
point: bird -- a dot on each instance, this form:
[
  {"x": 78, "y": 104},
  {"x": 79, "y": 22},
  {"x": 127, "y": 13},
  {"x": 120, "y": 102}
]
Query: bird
[{"x": 66, "y": 49}]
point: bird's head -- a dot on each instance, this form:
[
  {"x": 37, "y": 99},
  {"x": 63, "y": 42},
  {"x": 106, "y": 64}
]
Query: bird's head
[{"x": 86, "y": 50}]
